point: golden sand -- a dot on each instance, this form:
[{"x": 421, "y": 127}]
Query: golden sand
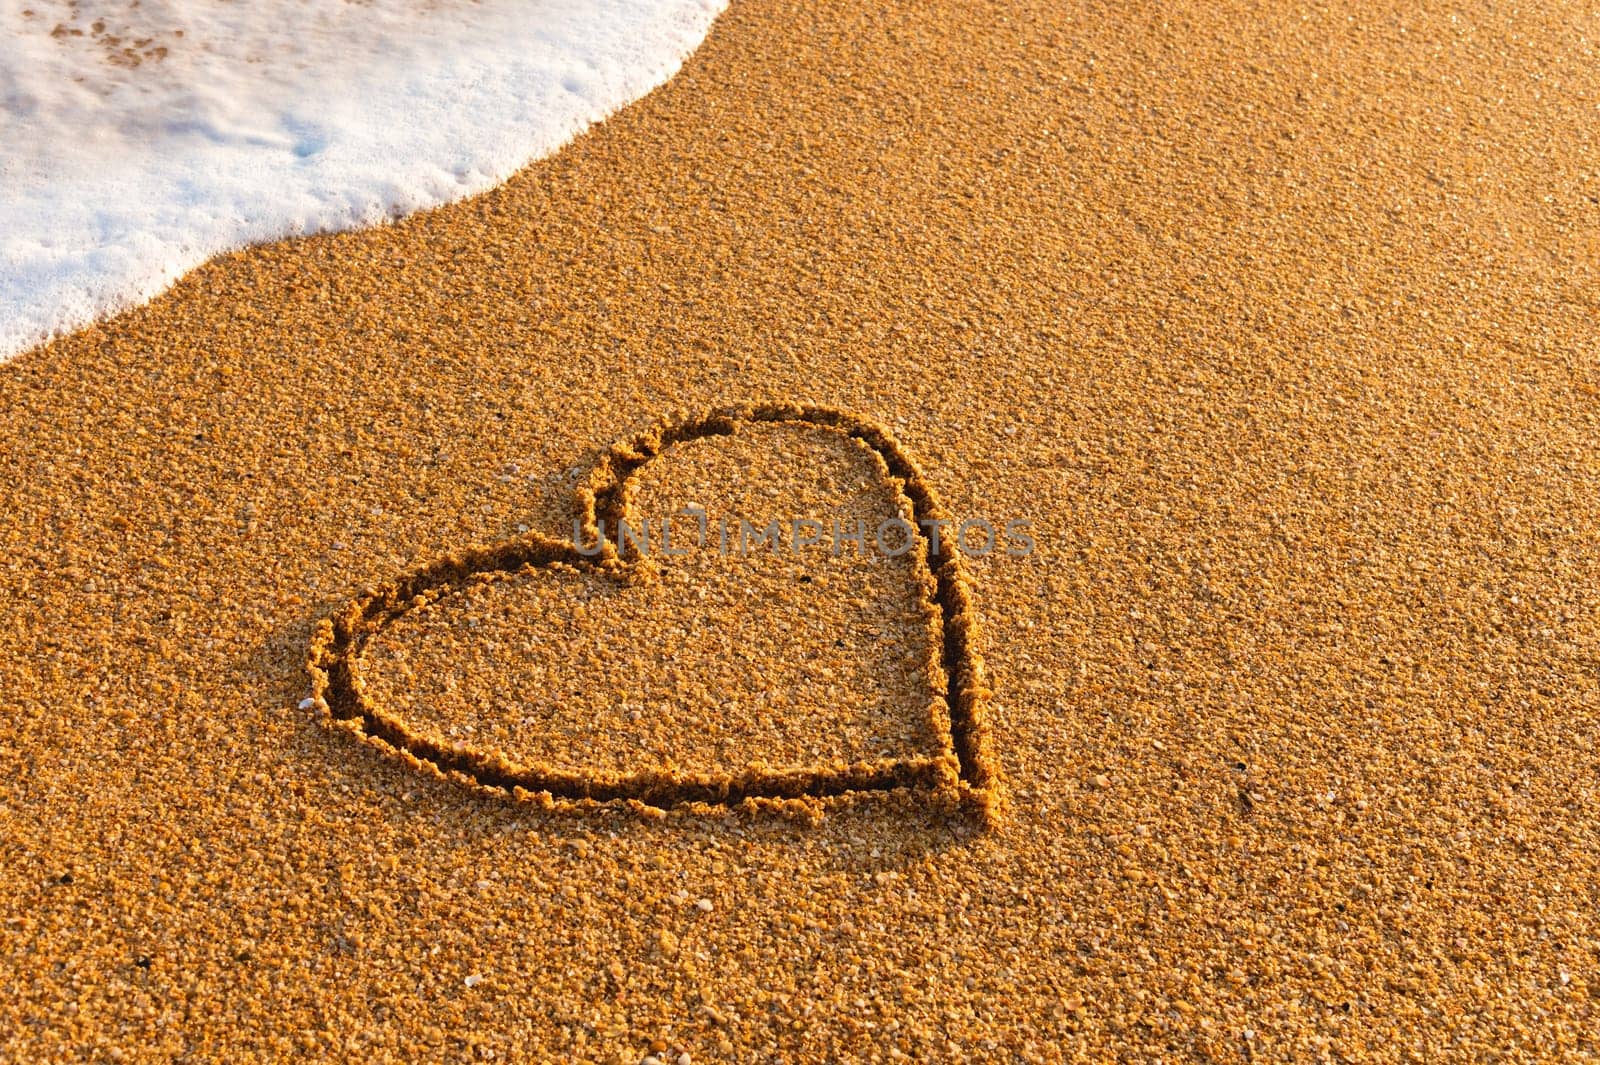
[{"x": 1278, "y": 323}]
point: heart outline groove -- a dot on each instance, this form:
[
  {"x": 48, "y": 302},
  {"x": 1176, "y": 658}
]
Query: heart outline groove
[{"x": 964, "y": 776}]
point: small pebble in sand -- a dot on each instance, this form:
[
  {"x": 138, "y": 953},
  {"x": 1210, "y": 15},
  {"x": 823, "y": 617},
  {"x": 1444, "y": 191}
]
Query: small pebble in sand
[
  {"x": 704, "y": 905},
  {"x": 474, "y": 980}
]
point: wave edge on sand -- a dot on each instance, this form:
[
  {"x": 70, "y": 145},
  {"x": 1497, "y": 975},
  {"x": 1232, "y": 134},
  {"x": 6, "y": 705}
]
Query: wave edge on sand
[{"x": 145, "y": 139}]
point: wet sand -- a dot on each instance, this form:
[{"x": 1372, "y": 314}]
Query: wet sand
[{"x": 1276, "y": 323}]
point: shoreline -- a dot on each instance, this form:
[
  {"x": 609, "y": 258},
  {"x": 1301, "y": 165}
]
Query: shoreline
[{"x": 1274, "y": 324}]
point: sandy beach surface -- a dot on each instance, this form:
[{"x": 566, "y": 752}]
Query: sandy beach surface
[{"x": 1276, "y": 321}]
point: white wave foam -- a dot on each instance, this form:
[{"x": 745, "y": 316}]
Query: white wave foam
[{"x": 140, "y": 137}]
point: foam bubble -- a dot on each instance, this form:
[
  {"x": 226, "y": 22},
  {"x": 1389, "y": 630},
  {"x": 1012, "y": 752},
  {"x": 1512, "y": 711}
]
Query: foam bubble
[{"x": 141, "y": 137}]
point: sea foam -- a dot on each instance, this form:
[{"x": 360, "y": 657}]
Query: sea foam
[{"x": 140, "y": 137}]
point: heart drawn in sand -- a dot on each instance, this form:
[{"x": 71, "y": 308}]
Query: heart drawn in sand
[{"x": 959, "y": 771}]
